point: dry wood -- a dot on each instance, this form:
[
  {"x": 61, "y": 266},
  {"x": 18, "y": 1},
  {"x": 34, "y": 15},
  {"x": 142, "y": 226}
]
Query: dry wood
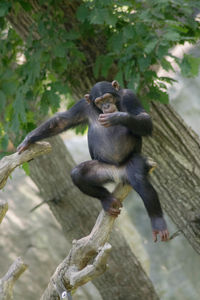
[
  {"x": 3, "y": 209},
  {"x": 76, "y": 268},
  {"x": 88, "y": 257},
  {"x": 9, "y": 163},
  {"x": 7, "y": 282}
]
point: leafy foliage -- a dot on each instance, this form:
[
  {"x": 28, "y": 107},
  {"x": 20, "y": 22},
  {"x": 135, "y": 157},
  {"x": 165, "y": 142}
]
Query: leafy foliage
[{"x": 41, "y": 69}]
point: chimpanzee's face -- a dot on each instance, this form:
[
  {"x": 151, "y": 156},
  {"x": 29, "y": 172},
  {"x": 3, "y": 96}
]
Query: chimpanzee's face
[{"x": 106, "y": 103}]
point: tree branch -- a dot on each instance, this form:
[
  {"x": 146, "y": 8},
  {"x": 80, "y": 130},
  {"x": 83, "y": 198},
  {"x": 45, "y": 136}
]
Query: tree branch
[
  {"x": 88, "y": 257},
  {"x": 9, "y": 163},
  {"x": 3, "y": 209},
  {"x": 7, "y": 282}
]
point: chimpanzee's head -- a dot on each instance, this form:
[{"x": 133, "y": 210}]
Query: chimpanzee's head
[{"x": 104, "y": 95}]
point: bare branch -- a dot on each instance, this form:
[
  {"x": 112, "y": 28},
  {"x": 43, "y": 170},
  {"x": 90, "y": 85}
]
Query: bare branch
[
  {"x": 7, "y": 282},
  {"x": 3, "y": 209},
  {"x": 9, "y": 163},
  {"x": 88, "y": 257}
]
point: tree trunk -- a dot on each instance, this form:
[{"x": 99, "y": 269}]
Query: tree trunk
[
  {"x": 176, "y": 149},
  {"x": 77, "y": 213}
]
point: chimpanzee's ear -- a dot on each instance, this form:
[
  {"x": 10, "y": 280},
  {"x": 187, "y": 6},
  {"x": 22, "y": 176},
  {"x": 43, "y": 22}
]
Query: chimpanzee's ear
[
  {"x": 115, "y": 84},
  {"x": 87, "y": 98}
]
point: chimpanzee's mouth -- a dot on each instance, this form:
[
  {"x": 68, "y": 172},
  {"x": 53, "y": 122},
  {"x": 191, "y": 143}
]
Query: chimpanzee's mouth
[{"x": 108, "y": 111}]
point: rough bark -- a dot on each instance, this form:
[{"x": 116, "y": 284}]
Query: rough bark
[
  {"x": 176, "y": 149},
  {"x": 88, "y": 257},
  {"x": 125, "y": 278}
]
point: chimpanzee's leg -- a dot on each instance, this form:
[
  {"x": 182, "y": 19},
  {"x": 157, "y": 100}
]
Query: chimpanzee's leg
[
  {"x": 137, "y": 173},
  {"x": 90, "y": 176}
]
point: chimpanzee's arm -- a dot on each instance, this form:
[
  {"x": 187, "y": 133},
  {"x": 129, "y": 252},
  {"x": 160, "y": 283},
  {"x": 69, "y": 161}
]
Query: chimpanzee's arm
[
  {"x": 58, "y": 123},
  {"x": 132, "y": 115},
  {"x": 135, "y": 117}
]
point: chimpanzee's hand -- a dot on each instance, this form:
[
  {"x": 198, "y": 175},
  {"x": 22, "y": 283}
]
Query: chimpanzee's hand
[
  {"x": 112, "y": 206},
  {"x": 23, "y": 146},
  {"x": 110, "y": 119},
  {"x": 159, "y": 227}
]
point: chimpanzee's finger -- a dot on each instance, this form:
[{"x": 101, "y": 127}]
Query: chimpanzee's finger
[
  {"x": 114, "y": 212},
  {"x": 155, "y": 236},
  {"x": 21, "y": 149}
]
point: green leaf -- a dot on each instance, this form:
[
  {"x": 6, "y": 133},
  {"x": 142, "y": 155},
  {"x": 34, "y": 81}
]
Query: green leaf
[
  {"x": 144, "y": 63},
  {"x": 26, "y": 6},
  {"x": 19, "y": 107},
  {"x": 164, "y": 97},
  {"x": 119, "y": 78},
  {"x": 129, "y": 32},
  {"x": 116, "y": 42},
  {"x": 190, "y": 66},
  {"x": 106, "y": 64},
  {"x": 134, "y": 82},
  {"x": 50, "y": 98},
  {"x": 172, "y": 36},
  {"x": 194, "y": 65},
  {"x": 166, "y": 65},
  {"x": 4, "y": 8},
  {"x": 150, "y": 46},
  {"x": 167, "y": 79},
  {"x": 157, "y": 95},
  {"x": 4, "y": 142},
  {"x": 59, "y": 87},
  {"x": 103, "y": 16},
  {"x": 9, "y": 87},
  {"x": 25, "y": 167},
  {"x": 2, "y": 101},
  {"x": 59, "y": 50},
  {"x": 82, "y": 13},
  {"x": 102, "y": 65},
  {"x": 185, "y": 66}
]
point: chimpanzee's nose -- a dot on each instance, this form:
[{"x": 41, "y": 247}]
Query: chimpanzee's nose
[{"x": 106, "y": 105}]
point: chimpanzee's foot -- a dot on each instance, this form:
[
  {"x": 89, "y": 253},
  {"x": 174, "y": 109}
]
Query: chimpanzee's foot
[
  {"x": 112, "y": 206},
  {"x": 159, "y": 227}
]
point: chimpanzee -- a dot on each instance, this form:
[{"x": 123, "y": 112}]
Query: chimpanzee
[{"x": 117, "y": 122}]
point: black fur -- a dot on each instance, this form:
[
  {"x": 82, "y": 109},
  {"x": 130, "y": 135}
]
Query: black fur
[{"x": 115, "y": 150}]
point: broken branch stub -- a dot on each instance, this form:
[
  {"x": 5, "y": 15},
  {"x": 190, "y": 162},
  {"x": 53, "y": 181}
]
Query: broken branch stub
[{"x": 7, "y": 282}]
